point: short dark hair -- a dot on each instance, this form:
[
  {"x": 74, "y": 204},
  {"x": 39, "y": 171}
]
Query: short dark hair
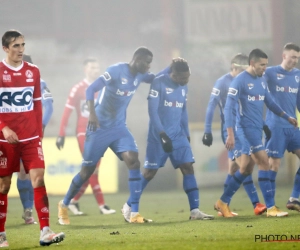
[
  {"x": 27, "y": 58},
  {"x": 256, "y": 54},
  {"x": 240, "y": 60},
  {"x": 142, "y": 51},
  {"x": 180, "y": 66},
  {"x": 90, "y": 59},
  {"x": 10, "y": 36},
  {"x": 291, "y": 46}
]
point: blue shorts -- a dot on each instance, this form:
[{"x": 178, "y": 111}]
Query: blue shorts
[
  {"x": 156, "y": 157},
  {"x": 251, "y": 139},
  {"x": 237, "y": 151},
  {"x": 283, "y": 139},
  {"x": 96, "y": 143}
]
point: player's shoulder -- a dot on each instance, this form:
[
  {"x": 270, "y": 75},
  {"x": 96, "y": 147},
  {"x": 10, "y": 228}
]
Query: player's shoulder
[
  {"x": 30, "y": 66},
  {"x": 224, "y": 79},
  {"x": 271, "y": 69},
  {"x": 160, "y": 79},
  {"x": 80, "y": 85}
]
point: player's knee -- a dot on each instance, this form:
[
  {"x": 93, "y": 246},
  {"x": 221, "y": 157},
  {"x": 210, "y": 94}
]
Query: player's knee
[
  {"x": 186, "y": 169},
  {"x": 86, "y": 172},
  {"x": 149, "y": 174},
  {"x": 38, "y": 181}
]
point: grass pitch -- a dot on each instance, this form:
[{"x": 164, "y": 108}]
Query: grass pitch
[{"x": 171, "y": 228}]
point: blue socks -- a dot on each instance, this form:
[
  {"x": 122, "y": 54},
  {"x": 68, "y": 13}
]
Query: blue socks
[
  {"x": 296, "y": 188},
  {"x": 76, "y": 184},
  {"x": 135, "y": 189},
  {"x": 191, "y": 189},
  {"x": 266, "y": 187},
  {"x": 251, "y": 190},
  {"x": 228, "y": 178},
  {"x": 233, "y": 185},
  {"x": 272, "y": 175},
  {"x": 144, "y": 184},
  {"x": 26, "y": 193}
]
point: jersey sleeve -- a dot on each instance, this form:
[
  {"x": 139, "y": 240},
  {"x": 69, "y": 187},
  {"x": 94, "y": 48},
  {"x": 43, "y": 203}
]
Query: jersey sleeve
[
  {"x": 47, "y": 103},
  {"x": 153, "y": 104},
  {"x": 105, "y": 79},
  {"x": 213, "y": 102},
  {"x": 232, "y": 98}
]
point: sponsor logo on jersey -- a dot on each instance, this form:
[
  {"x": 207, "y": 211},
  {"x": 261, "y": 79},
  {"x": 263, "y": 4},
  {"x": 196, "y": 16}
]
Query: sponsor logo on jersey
[
  {"x": 274, "y": 152},
  {"x": 17, "y": 74},
  {"x": 286, "y": 89},
  {"x": 256, "y": 98},
  {"x": 250, "y": 85},
  {"x": 183, "y": 92},
  {"x": 215, "y": 91},
  {"x": 125, "y": 93},
  {"x": 124, "y": 80},
  {"x": 263, "y": 85},
  {"x": 280, "y": 76},
  {"x": 232, "y": 91},
  {"x": 6, "y": 78},
  {"x": 297, "y": 79},
  {"x": 16, "y": 99},
  {"x": 153, "y": 93},
  {"x": 169, "y": 90},
  {"x": 173, "y": 104},
  {"x": 47, "y": 94},
  {"x": 106, "y": 76}
]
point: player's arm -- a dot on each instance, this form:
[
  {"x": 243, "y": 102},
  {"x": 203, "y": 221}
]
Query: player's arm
[
  {"x": 298, "y": 98},
  {"x": 207, "y": 138},
  {"x": 278, "y": 110},
  {"x": 37, "y": 108},
  {"x": 47, "y": 103},
  {"x": 8, "y": 134},
  {"x": 96, "y": 86},
  {"x": 153, "y": 106},
  {"x": 185, "y": 121}
]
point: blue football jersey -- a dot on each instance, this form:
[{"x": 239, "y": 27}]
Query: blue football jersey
[
  {"x": 284, "y": 89},
  {"x": 251, "y": 92},
  {"x": 119, "y": 88},
  {"x": 47, "y": 102},
  {"x": 218, "y": 97},
  {"x": 167, "y": 109}
]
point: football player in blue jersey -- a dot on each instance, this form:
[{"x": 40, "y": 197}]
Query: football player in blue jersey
[
  {"x": 168, "y": 135},
  {"x": 250, "y": 89},
  {"x": 23, "y": 182},
  {"x": 107, "y": 127},
  {"x": 283, "y": 82},
  {"x": 218, "y": 98}
]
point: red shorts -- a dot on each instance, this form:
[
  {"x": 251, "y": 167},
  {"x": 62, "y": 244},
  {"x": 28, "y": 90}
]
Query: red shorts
[{"x": 30, "y": 152}]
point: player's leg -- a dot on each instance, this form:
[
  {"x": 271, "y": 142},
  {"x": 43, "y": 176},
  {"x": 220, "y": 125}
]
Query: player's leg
[
  {"x": 26, "y": 195},
  {"x": 294, "y": 146},
  {"x": 33, "y": 160},
  {"x": 93, "y": 151}
]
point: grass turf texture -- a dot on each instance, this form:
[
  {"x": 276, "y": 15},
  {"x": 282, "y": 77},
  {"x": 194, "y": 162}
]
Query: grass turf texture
[{"x": 171, "y": 228}]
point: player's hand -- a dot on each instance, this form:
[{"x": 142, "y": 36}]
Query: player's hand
[
  {"x": 10, "y": 135},
  {"x": 229, "y": 143},
  {"x": 166, "y": 142},
  {"x": 93, "y": 123},
  {"x": 267, "y": 131},
  {"x": 293, "y": 121},
  {"x": 207, "y": 139},
  {"x": 60, "y": 141}
]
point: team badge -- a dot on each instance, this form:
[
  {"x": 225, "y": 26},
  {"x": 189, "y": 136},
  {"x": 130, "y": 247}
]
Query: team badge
[
  {"x": 124, "y": 80},
  {"x": 29, "y": 73},
  {"x": 297, "y": 79},
  {"x": 6, "y": 78},
  {"x": 169, "y": 90},
  {"x": 263, "y": 85},
  {"x": 250, "y": 85}
]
